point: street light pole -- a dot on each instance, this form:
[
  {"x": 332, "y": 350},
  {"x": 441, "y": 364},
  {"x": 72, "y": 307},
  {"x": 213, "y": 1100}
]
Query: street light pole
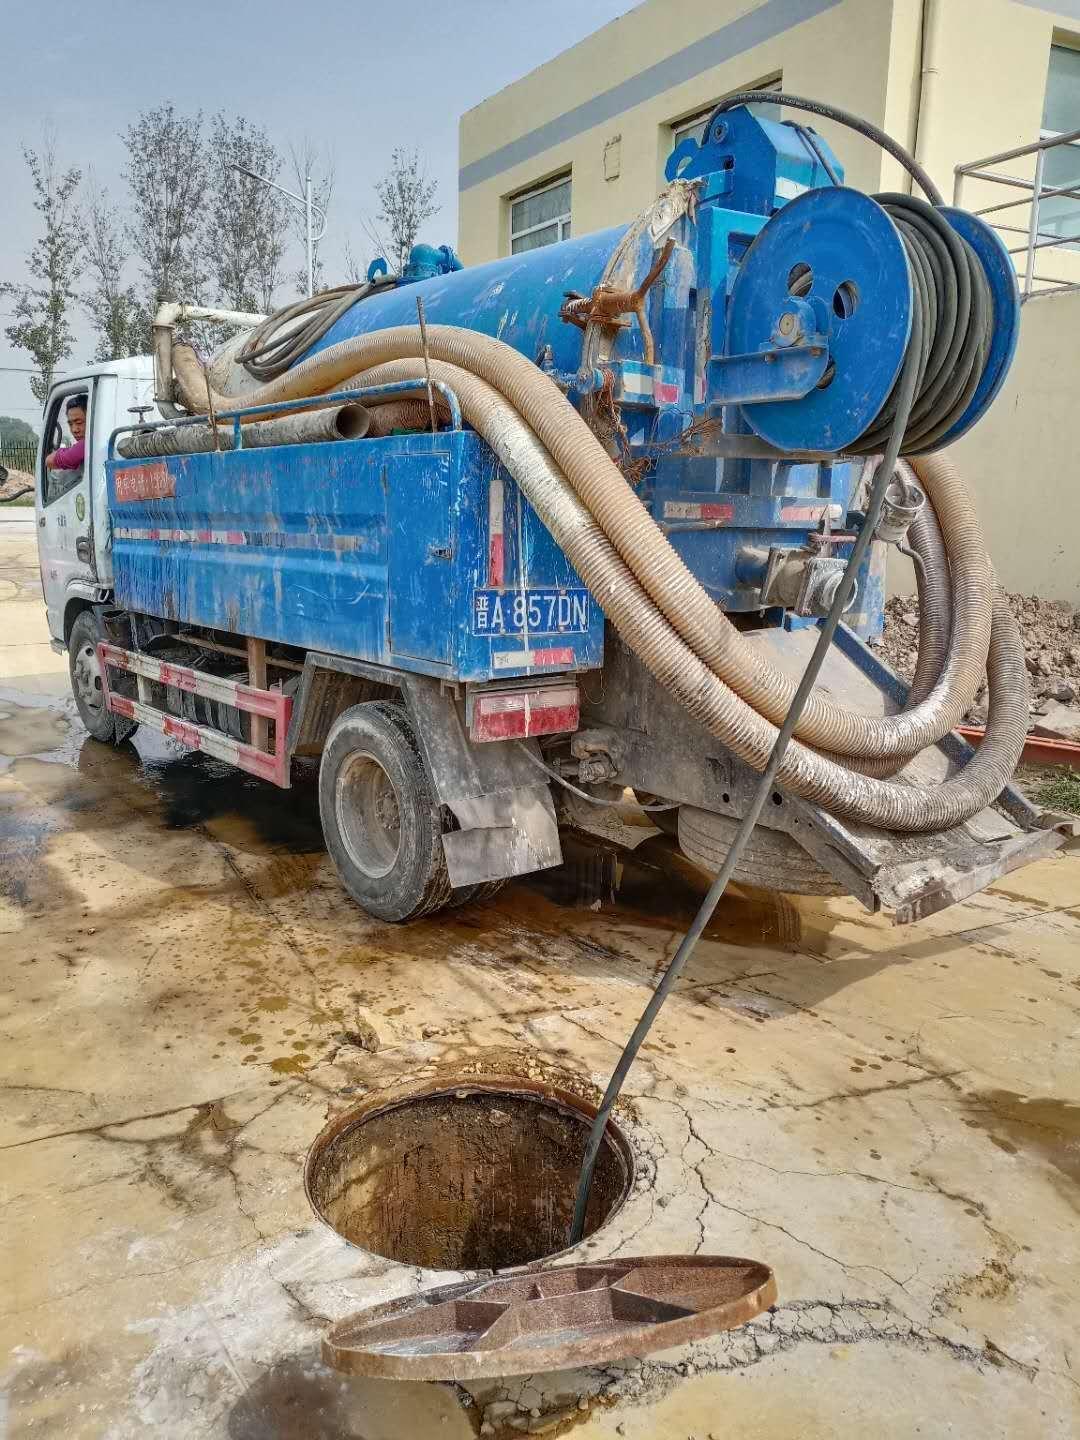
[
  {"x": 308, "y": 206},
  {"x": 310, "y": 242}
]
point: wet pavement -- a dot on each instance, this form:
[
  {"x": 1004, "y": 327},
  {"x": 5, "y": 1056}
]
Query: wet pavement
[{"x": 890, "y": 1118}]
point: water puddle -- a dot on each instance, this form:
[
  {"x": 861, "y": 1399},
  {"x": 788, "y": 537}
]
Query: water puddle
[{"x": 1031, "y": 1125}]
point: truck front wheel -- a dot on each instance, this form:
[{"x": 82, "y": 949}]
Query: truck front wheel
[
  {"x": 85, "y": 671},
  {"x": 382, "y": 824}
]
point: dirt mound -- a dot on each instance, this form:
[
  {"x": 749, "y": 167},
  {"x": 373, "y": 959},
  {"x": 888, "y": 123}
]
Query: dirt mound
[
  {"x": 17, "y": 480},
  {"x": 1051, "y": 631}
]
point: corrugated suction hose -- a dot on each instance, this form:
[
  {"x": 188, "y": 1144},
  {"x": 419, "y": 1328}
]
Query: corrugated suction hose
[{"x": 690, "y": 646}]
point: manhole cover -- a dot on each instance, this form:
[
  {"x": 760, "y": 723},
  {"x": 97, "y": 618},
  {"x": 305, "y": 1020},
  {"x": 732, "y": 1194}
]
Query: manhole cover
[
  {"x": 479, "y": 1175},
  {"x": 551, "y": 1319}
]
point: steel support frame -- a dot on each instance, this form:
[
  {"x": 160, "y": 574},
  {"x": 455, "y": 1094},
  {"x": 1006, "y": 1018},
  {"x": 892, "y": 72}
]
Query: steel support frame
[{"x": 263, "y": 704}]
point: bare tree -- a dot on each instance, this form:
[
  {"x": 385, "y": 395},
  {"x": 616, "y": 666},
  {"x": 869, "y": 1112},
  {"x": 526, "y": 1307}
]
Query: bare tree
[
  {"x": 247, "y": 222},
  {"x": 113, "y": 307},
  {"x": 166, "y": 172},
  {"x": 42, "y": 306},
  {"x": 406, "y": 199},
  {"x": 355, "y": 268},
  {"x": 307, "y": 161}
]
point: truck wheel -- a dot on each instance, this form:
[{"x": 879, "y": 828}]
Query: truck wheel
[
  {"x": 382, "y": 824},
  {"x": 86, "y": 686},
  {"x": 772, "y": 860}
]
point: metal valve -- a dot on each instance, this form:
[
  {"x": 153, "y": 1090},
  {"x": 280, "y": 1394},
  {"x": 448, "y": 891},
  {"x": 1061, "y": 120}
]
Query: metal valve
[{"x": 900, "y": 509}]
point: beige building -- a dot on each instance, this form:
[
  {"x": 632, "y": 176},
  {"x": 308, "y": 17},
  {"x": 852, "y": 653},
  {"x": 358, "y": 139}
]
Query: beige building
[{"x": 581, "y": 143}]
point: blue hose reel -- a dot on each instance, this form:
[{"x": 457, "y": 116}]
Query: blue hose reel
[{"x": 820, "y": 317}]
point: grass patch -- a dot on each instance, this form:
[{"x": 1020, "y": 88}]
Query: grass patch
[{"x": 1060, "y": 792}]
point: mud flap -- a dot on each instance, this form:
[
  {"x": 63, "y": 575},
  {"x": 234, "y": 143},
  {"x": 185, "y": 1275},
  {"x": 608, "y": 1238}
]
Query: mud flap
[{"x": 507, "y": 823}]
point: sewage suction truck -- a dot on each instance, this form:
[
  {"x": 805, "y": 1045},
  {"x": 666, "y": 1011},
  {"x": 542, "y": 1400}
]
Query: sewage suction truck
[{"x": 495, "y": 545}]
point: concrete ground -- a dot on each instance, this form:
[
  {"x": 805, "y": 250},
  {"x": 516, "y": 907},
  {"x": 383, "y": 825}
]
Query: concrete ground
[{"x": 890, "y": 1118}]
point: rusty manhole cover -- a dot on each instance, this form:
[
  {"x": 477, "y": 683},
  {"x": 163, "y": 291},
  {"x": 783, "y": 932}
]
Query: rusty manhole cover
[{"x": 551, "y": 1319}]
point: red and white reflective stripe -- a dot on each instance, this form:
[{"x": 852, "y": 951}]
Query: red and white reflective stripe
[
  {"x": 197, "y": 682},
  {"x": 518, "y": 714},
  {"x": 519, "y": 659},
  {"x": 271, "y": 703},
  {"x": 189, "y": 537},
  {"x": 496, "y": 541},
  {"x": 665, "y": 393},
  {"x": 636, "y": 382},
  {"x": 200, "y": 737},
  {"x": 689, "y": 510},
  {"x": 810, "y": 514}
]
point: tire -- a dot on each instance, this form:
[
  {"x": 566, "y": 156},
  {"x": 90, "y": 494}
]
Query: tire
[
  {"x": 474, "y": 894},
  {"x": 382, "y": 824},
  {"x": 84, "y": 672},
  {"x": 772, "y": 860},
  {"x": 664, "y": 820}
]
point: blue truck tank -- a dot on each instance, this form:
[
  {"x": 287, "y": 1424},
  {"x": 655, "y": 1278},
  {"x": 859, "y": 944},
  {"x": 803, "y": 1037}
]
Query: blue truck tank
[{"x": 418, "y": 551}]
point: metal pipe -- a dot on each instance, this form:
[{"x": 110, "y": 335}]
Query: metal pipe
[
  {"x": 1067, "y": 138},
  {"x": 310, "y": 240},
  {"x": 1029, "y": 273},
  {"x": 933, "y": 15},
  {"x": 168, "y": 316},
  {"x": 305, "y": 427}
]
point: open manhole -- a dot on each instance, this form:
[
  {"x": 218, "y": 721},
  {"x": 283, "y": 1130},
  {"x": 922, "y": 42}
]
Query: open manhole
[{"x": 473, "y": 1176}]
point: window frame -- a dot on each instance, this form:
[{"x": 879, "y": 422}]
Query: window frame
[
  {"x": 1067, "y": 242},
  {"x": 680, "y": 130},
  {"x": 562, "y": 221},
  {"x": 46, "y": 494}
]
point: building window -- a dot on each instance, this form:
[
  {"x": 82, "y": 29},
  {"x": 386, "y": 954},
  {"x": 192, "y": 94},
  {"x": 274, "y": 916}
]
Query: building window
[
  {"x": 1060, "y": 214},
  {"x": 540, "y": 216},
  {"x": 695, "y": 124}
]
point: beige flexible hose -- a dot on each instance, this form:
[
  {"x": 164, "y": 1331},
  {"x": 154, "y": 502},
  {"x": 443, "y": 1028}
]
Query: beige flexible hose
[
  {"x": 892, "y": 805},
  {"x": 661, "y": 572}
]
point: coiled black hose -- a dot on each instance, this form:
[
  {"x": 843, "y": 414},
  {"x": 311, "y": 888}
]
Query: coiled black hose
[
  {"x": 279, "y": 342},
  {"x": 952, "y": 294}
]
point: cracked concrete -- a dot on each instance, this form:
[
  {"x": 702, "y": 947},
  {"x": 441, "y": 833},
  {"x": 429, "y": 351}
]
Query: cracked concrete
[{"x": 890, "y": 1118}]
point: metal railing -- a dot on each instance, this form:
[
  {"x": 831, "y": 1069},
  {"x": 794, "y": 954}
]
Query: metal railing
[
  {"x": 1036, "y": 192},
  {"x": 18, "y": 455}
]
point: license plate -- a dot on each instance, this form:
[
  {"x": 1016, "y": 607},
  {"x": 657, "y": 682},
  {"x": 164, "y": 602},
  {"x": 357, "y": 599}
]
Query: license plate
[{"x": 530, "y": 612}]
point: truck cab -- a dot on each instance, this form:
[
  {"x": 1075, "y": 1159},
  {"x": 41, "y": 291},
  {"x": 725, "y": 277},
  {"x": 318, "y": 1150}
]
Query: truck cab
[{"x": 71, "y": 506}]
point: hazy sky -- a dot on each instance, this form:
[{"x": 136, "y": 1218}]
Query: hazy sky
[{"x": 355, "y": 78}]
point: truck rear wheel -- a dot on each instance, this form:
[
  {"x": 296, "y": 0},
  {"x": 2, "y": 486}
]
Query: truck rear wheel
[
  {"x": 84, "y": 669},
  {"x": 382, "y": 824}
]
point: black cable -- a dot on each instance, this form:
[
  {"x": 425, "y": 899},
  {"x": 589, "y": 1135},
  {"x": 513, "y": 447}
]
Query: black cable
[
  {"x": 951, "y": 329},
  {"x": 584, "y": 794},
  {"x": 842, "y": 117},
  {"x": 909, "y": 377},
  {"x": 275, "y": 346}
]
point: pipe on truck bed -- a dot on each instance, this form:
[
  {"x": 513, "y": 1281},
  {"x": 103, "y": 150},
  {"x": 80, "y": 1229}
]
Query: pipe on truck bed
[{"x": 305, "y": 427}]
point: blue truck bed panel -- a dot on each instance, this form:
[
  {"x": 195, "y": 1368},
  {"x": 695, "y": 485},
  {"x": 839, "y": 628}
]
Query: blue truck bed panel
[{"x": 414, "y": 551}]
